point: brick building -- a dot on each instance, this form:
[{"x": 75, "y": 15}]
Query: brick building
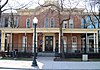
[{"x": 48, "y": 32}]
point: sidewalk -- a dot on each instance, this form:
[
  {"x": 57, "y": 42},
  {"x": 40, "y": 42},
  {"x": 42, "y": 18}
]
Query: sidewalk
[{"x": 47, "y": 63}]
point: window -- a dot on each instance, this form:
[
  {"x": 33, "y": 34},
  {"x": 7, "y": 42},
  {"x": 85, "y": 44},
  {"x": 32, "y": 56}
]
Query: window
[
  {"x": 24, "y": 43},
  {"x": 46, "y": 22},
  {"x": 28, "y": 23},
  {"x": 16, "y": 22},
  {"x": 74, "y": 43},
  {"x": 52, "y": 22},
  {"x": 71, "y": 23},
  {"x": 74, "y": 40},
  {"x": 65, "y": 43},
  {"x": 95, "y": 21},
  {"x": 65, "y": 24},
  {"x": 6, "y": 22},
  {"x": 91, "y": 24},
  {"x": 82, "y": 23}
]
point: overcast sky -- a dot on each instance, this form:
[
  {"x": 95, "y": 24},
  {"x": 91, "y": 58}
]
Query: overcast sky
[
  {"x": 19, "y": 3},
  {"x": 33, "y": 3}
]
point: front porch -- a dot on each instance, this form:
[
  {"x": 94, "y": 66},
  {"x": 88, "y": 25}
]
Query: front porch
[{"x": 21, "y": 39}]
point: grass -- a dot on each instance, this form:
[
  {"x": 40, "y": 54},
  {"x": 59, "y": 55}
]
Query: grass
[
  {"x": 75, "y": 59},
  {"x": 25, "y": 59},
  {"x": 55, "y": 59}
]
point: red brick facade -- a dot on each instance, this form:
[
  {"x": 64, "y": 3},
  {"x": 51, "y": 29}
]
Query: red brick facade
[{"x": 18, "y": 38}]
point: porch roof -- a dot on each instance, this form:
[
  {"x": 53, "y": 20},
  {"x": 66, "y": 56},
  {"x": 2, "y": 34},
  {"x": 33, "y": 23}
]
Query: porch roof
[{"x": 47, "y": 30}]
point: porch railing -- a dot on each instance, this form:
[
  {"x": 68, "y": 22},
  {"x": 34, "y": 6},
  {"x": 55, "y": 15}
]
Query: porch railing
[{"x": 68, "y": 48}]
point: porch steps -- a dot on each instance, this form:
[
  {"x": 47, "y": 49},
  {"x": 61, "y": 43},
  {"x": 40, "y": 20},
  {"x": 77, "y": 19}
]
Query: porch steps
[{"x": 46, "y": 54}]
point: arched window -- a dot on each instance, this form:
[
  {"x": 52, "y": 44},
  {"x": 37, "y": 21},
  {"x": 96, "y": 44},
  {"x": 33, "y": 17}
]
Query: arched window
[
  {"x": 71, "y": 23},
  {"x": 52, "y": 22},
  {"x": 27, "y": 23},
  {"x": 65, "y": 24},
  {"x": 16, "y": 22},
  {"x": 46, "y": 22}
]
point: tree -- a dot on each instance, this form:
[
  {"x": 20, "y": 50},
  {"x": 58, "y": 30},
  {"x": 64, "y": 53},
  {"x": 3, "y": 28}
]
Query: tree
[
  {"x": 1, "y": 7},
  {"x": 93, "y": 16},
  {"x": 95, "y": 4},
  {"x": 11, "y": 8}
]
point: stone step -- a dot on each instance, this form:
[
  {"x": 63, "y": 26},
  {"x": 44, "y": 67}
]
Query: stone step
[{"x": 46, "y": 54}]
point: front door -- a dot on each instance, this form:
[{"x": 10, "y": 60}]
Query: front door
[{"x": 49, "y": 43}]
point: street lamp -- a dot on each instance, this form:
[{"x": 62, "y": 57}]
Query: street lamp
[
  {"x": 85, "y": 55},
  {"x": 35, "y": 21}
]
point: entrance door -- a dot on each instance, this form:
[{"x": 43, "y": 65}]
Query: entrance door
[{"x": 49, "y": 43}]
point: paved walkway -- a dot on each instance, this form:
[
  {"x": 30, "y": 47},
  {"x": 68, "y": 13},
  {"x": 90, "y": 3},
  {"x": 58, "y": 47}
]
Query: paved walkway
[{"x": 47, "y": 63}]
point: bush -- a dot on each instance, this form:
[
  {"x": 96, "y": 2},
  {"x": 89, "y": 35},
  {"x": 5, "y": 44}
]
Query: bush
[{"x": 2, "y": 54}]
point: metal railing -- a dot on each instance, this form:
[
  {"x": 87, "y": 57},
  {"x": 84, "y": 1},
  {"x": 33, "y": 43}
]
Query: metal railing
[
  {"x": 68, "y": 48},
  {"x": 80, "y": 48}
]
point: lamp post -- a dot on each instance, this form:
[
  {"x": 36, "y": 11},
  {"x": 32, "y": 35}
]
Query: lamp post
[
  {"x": 85, "y": 55},
  {"x": 35, "y": 21}
]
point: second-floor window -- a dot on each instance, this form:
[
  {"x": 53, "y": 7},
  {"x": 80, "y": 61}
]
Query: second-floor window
[
  {"x": 28, "y": 23},
  {"x": 6, "y": 22},
  {"x": 16, "y": 22},
  {"x": 46, "y": 22},
  {"x": 52, "y": 22},
  {"x": 65, "y": 23},
  {"x": 90, "y": 22},
  {"x": 71, "y": 23}
]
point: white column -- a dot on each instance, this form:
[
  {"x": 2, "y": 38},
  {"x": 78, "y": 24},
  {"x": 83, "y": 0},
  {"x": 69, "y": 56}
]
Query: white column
[
  {"x": 59, "y": 43},
  {"x": 94, "y": 44},
  {"x": 11, "y": 42},
  {"x": 54, "y": 43},
  {"x": 2, "y": 41},
  {"x": 87, "y": 43},
  {"x": 43, "y": 43},
  {"x": 97, "y": 43}
]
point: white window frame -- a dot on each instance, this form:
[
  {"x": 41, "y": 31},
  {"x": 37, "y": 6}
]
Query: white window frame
[
  {"x": 29, "y": 23},
  {"x": 65, "y": 24},
  {"x": 74, "y": 44}
]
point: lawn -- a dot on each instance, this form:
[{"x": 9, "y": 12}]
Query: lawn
[
  {"x": 75, "y": 59},
  {"x": 55, "y": 59},
  {"x": 25, "y": 59}
]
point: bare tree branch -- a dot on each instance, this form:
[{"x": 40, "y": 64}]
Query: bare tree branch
[{"x": 4, "y": 4}]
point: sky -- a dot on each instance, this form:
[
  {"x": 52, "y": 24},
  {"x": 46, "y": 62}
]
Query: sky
[
  {"x": 19, "y": 3},
  {"x": 15, "y": 4}
]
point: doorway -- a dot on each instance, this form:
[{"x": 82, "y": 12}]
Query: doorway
[{"x": 48, "y": 43}]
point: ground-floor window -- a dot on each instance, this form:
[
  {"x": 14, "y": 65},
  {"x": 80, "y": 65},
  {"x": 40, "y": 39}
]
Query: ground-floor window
[
  {"x": 74, "y": 43},
  {"x": 24, "y": 43},
  {"x": 65, "y": 43}
]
